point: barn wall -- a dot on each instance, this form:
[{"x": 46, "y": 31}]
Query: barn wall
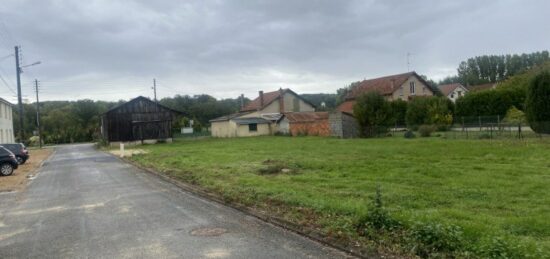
[{"x": 139, "y": 119}]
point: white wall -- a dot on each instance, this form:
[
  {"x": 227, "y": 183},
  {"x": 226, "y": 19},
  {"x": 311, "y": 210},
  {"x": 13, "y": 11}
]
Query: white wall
[
  {"x": 6, "y": 123},
  {"x": 457, "y": 92}
]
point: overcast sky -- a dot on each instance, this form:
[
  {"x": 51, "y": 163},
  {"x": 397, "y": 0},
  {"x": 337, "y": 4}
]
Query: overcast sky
[{"x": 112, "y": 50}]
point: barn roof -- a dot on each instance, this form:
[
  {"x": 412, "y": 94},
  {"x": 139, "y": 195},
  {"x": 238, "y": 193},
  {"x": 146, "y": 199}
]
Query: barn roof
[
  {"x": 306, "y": 116},
  {"x": 141, "y": 98}
]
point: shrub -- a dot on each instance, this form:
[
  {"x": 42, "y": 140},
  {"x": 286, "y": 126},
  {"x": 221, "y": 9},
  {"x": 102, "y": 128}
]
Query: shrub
[
  {"x": 409, "y": 134},
  {"x": 373, "y": 114},
  {"x": 377, "y": 218},
  {"x": 398, "y": 111},
  {"x": 433, "y": 238},
  {"x": 501, "y": 247},
  {"x": 426, "y": 130},
  {"x": 538, "y": 103},
  {"x": 515, "y": 116},
  {"x": 490, "y": 102},
  {"x": 429, "y": 110}
]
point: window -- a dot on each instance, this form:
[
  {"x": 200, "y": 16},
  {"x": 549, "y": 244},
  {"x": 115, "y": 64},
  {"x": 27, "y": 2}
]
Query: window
[
  {"x": 412, "y": 86},
  {"x": 296, "y": 105},
  {"x": 452, "y": 95},
  {"x": 401, "y": 91},
  {"x": 459, "y": 93},
  {"x": 253, "y": 127}
]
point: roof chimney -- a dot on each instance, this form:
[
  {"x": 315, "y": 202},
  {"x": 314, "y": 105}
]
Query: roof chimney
[
  {"x": 281, "y": 101},
  {"x": 261, "y": 100},
  {"x": 242, "y": 101}
]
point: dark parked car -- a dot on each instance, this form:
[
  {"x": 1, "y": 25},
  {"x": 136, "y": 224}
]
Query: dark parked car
[
  {"x": 8, "y": 162},
  {"x": 19, "y": 150}
]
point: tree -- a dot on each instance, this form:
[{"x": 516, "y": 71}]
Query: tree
[
  {"x": 341, "y": 93},
  {"x": 373, "y": 113},
  {"x": 538, "y": 103},
  {"x": 496, "y": 68}
]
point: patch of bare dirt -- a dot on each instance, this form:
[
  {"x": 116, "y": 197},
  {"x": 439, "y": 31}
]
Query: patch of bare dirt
[{"x": 18, "y": 180}]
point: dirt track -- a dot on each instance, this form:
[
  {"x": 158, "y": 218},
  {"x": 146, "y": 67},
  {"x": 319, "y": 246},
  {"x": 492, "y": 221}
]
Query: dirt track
[{"x": 18, "y": 180}]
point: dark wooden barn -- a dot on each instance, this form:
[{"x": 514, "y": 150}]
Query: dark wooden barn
[{"x": 139, "y": 119}]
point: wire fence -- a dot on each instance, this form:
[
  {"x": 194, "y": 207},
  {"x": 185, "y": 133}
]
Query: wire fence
[{"x": 475, "y": 127}]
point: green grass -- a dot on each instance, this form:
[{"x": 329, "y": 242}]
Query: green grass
[{"x": 489, "y": 189}]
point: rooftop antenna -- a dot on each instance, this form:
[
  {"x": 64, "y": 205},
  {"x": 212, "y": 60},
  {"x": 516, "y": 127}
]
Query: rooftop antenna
[{"x": 409, "y": 61}]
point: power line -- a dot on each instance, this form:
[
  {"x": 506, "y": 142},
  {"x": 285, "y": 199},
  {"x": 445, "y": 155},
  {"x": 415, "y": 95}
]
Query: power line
[{"x": 7, "y": 85}]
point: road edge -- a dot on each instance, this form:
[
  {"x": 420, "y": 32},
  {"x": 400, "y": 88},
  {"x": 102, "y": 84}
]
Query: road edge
[{"x": 311, "y": 234}]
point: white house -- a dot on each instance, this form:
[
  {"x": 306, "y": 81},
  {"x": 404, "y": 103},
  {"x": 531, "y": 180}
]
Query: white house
[
  {"x": 6, "y": 122},
  {"x": 453, "y": 91}
]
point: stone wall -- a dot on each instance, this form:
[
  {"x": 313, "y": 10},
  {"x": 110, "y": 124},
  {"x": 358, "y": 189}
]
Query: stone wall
[{"x": 343, "y": 125}]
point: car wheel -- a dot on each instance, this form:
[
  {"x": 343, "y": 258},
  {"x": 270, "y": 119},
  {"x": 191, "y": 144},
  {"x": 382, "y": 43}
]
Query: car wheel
[
  {"x": 20, "y": 160},
  {"x": 6, "y": 169}
]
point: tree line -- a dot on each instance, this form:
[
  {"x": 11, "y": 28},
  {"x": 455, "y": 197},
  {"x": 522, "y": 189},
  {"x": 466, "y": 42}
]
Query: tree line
[{"x": 80, "y": 121}]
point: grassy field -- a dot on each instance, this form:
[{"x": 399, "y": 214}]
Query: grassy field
[{"x": 462, "y": 198}]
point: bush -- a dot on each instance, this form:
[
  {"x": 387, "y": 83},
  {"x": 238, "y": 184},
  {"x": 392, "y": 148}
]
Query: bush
[
  {"x": 377, "y": 218},
  {"x": 409, "y": 134},
  {"x": 514, "y": 116},
  {"x": 538, "y": 103},
  {"x": 398, "y": 111},
  {"x": 490, "y": 102},
  {"x": 433, "y": 238},
  {"x": 426, "y": 130},
  {"x": 373, "y": 114},
  {"x": 429, "y": 110}
]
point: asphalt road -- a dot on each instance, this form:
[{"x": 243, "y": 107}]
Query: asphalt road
[{"x": 87, "y": 204}]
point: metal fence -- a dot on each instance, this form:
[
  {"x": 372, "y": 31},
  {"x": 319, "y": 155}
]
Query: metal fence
[{"x": 479, "y": 127}]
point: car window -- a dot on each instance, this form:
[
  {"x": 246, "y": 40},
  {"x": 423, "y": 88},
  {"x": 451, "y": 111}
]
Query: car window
[{"x": 4, "y": 151}]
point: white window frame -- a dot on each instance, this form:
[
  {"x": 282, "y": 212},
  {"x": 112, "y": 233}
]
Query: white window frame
[{"x": 412, "y": 87}]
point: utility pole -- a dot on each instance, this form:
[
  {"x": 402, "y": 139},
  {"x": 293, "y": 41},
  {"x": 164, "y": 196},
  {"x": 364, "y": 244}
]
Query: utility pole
[
  {"x": 155, "y": 88},
  {"x": 38, "y": 114},
  {"x": 19, "y": 97}
]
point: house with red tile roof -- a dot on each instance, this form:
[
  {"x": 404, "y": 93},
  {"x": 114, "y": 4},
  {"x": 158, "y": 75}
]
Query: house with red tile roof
[
  {"x": 394, "y": 87},
  {"x": 262, "y": 116},
  {"x": 453, "y": 91}
]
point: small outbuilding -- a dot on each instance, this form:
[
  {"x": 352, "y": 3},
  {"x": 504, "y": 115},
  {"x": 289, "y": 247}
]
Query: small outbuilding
[{"x": 138, "y": 120}]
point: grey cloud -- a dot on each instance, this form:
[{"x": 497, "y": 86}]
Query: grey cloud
[{"x": 225, "y": 48}]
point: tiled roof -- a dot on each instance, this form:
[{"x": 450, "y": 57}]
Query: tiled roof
[
  {"x": 447, "y": 89},
  {"x": 294, "y": 117},
  {"x": 475, "y": 88},
  {"x": 384, "y": 85},
  {"x": 346, "y": 106},
  {"x": 269, "y": 97}
]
